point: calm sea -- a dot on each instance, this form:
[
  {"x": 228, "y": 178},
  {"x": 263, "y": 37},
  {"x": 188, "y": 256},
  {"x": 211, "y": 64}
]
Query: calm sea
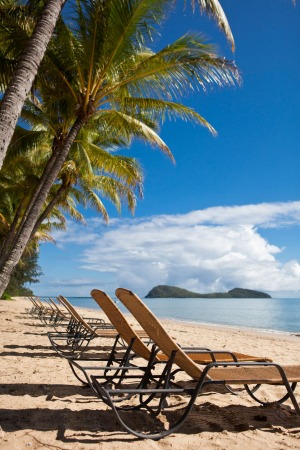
[{"x": 273, "y": 314}]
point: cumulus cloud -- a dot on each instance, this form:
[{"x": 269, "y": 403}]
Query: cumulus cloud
[{"x": 208, "y": 250}]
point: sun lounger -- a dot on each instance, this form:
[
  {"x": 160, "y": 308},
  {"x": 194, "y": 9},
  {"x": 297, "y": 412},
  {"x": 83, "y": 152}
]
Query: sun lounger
[
  {"x": 61, "y": 311},
  {"x": 136, "y": 342},
  {"x": 40, "y": 310},
  {"x": 200, "y": 355},
  {"x": 48, "y": 313},
  {"x": 79, "y": 333},
  {"x": 214, "y": 373}
]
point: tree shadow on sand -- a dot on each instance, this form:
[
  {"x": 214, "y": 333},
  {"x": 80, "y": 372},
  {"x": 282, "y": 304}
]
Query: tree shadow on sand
[
  {"x": 32, "y": 354},
  {"x": 47, "y": 351},
  {"x": 51, "y": 391}
]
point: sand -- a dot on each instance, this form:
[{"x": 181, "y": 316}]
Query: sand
[{"x": 44, "y": 406}]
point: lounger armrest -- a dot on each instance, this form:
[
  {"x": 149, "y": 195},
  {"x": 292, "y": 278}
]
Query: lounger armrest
[
  {"x": 90, "y": 320},
  {"x": 242, "y": 364},
  {"x": 212, "y": 353},
  {"x": 195, "y": 349},
  {"x": 103, "y": 328},
  {"x": 215, "y": 365}
]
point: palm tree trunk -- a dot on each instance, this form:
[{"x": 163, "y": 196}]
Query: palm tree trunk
[
  {"x": 24, "y": 234},
  {"x": 62, "y": 189},
  {"x": 57, "y": 144},
  {"x": 25, "y": 73}
]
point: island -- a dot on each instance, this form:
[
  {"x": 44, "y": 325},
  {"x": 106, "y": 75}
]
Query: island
[{"x": 164, "y": 291}]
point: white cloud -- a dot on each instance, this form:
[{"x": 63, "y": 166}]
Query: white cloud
[{"x": 214, "y": 249}]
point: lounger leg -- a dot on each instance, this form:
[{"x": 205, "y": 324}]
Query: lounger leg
[
  {"x": 237, "y": 391},
  {"x": 290, "y": 389},
  {"x": 162, "y": 390}
]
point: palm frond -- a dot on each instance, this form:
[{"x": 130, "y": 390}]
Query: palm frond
[
  {"x": 138, "y": 129},
  {"x": 159, "y": 110},
  {"x": 179, "y": 67},
  {"x": 95, "y": 202},
  {"x": 7, "y": 67},
  {"x": 130, "y": 25},
  {"x": 25, "y": 141},
  {"x": 213, "y": 9}
]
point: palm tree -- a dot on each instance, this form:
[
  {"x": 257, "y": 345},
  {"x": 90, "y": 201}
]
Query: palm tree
[
  {"x": 32, "y": 55},
  {"x": 25, "y": 72},
  {"x": 14, "y": 193},
  {"x": 18, "y": 179},
  {"x": 94, "y": 170},
  {"x": 76, "y": 185},
  {"x": 102, "y": 70}
]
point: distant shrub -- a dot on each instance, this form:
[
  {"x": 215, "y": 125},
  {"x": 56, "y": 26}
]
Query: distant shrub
[{"x": 5, "y": 296}]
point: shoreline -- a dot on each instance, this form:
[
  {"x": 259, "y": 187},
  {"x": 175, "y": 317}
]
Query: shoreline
[
  {"x": 232, "y": 327},
  {"x": 202, "y": 324},
  {"x": 43, "y": 405}
]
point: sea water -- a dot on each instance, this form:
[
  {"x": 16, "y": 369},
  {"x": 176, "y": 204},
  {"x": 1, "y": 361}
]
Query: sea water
[{"x": 272, "y": 314}]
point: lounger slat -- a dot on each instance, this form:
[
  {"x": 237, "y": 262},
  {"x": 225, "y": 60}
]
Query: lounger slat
[
  {"x": 122, "y": 326},
  {"x": 205, "y": 358},
  {"x": 251, "y": 375}
]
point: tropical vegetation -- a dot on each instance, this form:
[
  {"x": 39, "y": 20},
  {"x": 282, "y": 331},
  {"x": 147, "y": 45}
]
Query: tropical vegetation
[
  {"x": 26, "y": 272},
  {"x": 99, "y": 87}
]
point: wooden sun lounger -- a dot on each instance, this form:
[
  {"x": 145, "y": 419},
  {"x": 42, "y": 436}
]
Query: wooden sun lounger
[
  {"x": 80, "y": 332},
  {"x": 40, "y": 309},
  {"x": 134, "y": 340},
  {"x": 215, "y": 373},
  {"x": 200, "y": 355}
]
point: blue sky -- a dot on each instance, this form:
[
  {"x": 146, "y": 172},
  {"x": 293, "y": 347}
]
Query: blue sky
[{"x": 227, "y": 214}]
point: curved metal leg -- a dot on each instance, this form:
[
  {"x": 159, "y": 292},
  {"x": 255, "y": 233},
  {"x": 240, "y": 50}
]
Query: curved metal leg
[
  {"x": 156, "y": 428},
  {"x": 84, "y": 381},
  {"x": 279, "y": 401},
  {"x": 238, "y": 390}
]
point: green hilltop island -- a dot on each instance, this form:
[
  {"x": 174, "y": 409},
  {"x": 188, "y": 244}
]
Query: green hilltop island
[{"x": 163, "y": 291}]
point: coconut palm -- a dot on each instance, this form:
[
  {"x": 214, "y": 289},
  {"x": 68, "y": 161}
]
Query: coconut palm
[
  {"x": 15, "y": 191},
  {"x": 101, "y": 70},
  {"x": 31, "y": 57},
  {"x": 25, "y": 72},
  {"x": 87, "y": 180},
  {"x": 18, "y": 179},
  {"x": 94, "y": 170}
]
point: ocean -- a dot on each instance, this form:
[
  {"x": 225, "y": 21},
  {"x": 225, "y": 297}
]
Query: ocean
[{"x": 269, "y": 314}]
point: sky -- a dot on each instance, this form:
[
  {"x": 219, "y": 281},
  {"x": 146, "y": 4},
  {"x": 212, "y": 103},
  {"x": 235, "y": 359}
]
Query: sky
[{"x": 227, "y": 213}]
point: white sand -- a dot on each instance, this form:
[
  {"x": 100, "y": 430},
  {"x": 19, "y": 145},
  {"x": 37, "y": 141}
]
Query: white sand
[{"x": 44, "y": 406}]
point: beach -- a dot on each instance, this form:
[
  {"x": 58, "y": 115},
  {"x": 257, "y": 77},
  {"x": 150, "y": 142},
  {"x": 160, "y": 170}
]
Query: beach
[{"x": 44, "y": 406}]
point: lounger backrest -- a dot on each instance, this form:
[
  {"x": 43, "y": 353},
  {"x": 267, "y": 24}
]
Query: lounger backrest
[
  {"x": 50, "y": 306},
  {"x": 156, "y": 331},
  {"x": 57, "y": 309},
  {"x": 35, "y": 302},
  {"x": 75, "y": 314},
  {"x": 120, "y": 323},
  {"x": 39, "y": 303}
]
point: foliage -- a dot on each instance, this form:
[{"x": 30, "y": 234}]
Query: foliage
[
  {"x": 99, "y": 86},
  {"x": 99, "y": 64},
  {"x": 27, "y": 271}
]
